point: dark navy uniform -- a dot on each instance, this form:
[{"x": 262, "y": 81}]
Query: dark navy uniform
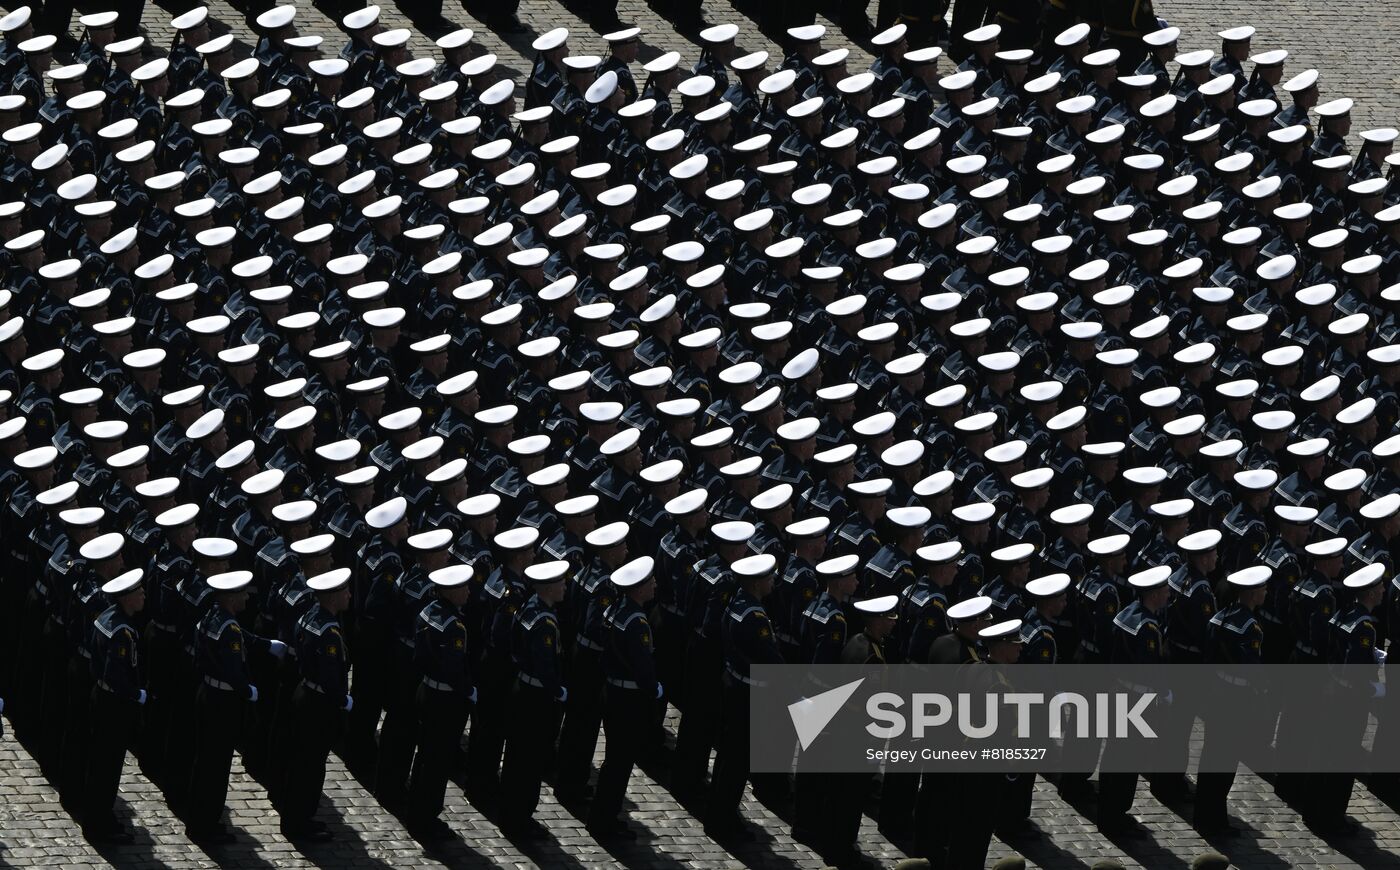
[
  {"x": 222, "y": 649},
  {"x": 747, "y": 637},
  {"x": 116, "y": 701},
  {"x": 923, "y": 619},
  {"x": 1138, "y": 639},
  {"x": 632, "y": 696},
  {"x": 1098, "y": 603},
  {"x": 1236, "y": 638},
  {"x": 1311, "y": 604},
  {"x": 1191, "y": 610},
  {"x": 535, "y": 710},
  {"x": 321, "y": 696},
  {"x": 445, "y": 696}
]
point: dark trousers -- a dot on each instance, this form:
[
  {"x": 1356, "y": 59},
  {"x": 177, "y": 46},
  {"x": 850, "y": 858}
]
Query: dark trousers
[
  {"x": 846, "y": 805},
  {"x": 1020, "y": 794},
  {"x": 1220, "y": 751},
  {"x": 219, "y": 721},
  {"x": 529, "y": 754},
  {"x": 487, "y": 739},
  {"x": 853, "y": 18},
  {"x": 1212, "y": 789},
  {"x": 315, "y": 722},
  {"x": 1053, "y": 21},
  {"x": 397, "y": 736},
  {"x": 493, "y": 12},
  {"x": 25, "y": 709},
  {"x": 939, "y": 794},
  {"x": 809, "y": 795},
  {"x": 16, "y": 588},
  {"x": 972, "y": 821},
  {"x": 370, "y": 683},
  {"x": 162, "y": 652},
  {"x": 1021, "y": 33},
  {"x": 1327, "y": 795},
  {"x": 683, "y": 12},
  {"x": 732, "y": 758},
  {"x": 282, "y": 729},
  {"x": 263, "y": 673},
  {"x": 1080, "y": 752},
  {"x": 671, "y": 639},
  {"x": 111, "y": 727},
  {"x": 583, "y": 716},
  {"x": 1116, "y": 791},
  {"x": 441, "y": 718},
  {"x": 183, "y": 733},
  {"x": 73, "y": 767},
  {"x": 968, "y": 15},
  {"x": 701, "y": 722},
  {"x": 54, "y": 696},
  {"x": 898, "y": 794},
  {"x": 627, "y": 715}
]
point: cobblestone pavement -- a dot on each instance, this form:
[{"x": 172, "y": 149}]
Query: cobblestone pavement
[{"x": 1350, "y": 44}]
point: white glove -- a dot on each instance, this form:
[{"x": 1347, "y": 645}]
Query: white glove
[
  {"x": 349, "y": 704},
  {"x": 563, "y": 694},
  {"x": 472, "y": 696},
  {"x": 1380, "y": 656},
  {"x": 660, "y": 690},
  {"x": 1378, "y": 690},
  {"x": 142, "y": 698},
  {"x": 277, "y": 648},
  {"x": 252, "y": 693}
]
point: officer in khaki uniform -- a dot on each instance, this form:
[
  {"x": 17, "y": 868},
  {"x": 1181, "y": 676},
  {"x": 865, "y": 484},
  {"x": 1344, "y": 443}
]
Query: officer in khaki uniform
[{"x": 1125, "y": 23}]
